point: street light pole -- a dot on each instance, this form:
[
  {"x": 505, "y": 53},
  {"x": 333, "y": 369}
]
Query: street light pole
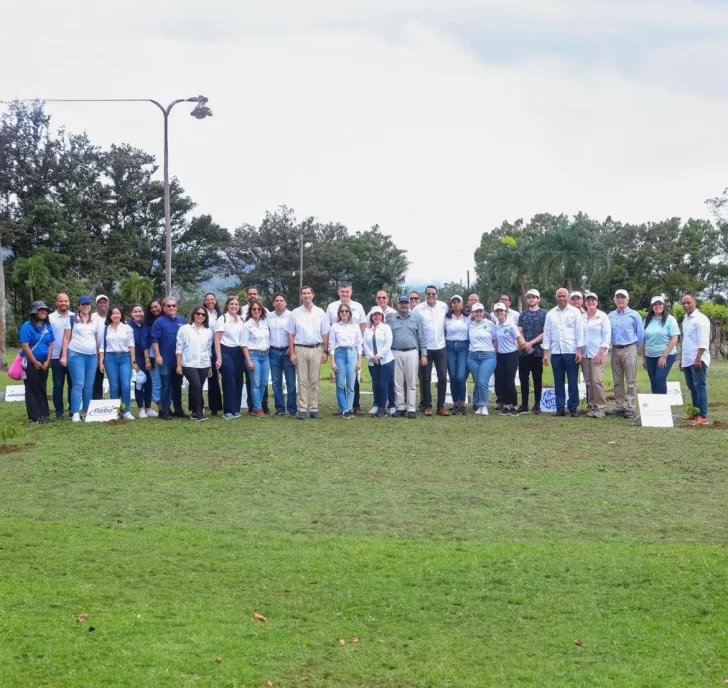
[{"x": 200, "y": 111}]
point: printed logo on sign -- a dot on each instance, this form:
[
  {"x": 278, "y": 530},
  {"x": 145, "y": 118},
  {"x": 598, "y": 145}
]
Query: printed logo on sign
[
  {"x": 674, "y": 391},
  {"x": 102, "y": 410},
  {"x": 548, "y": 401},
  {"x": 15, "y": 393}
]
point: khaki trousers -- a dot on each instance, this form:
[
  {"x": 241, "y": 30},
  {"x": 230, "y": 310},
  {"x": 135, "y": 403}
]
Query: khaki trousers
[
  {"x": 406, "y": 368},
  {"x": 624, "y": 372},
  {"x": 308, "y": 371},
  {"x": 594, "y": 378}
]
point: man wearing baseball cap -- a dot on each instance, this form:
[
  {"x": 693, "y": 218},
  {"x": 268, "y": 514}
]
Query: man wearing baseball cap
[
  {"x": 409, "y": 347},
  {"x": 530, "y": 360},
  {"x": 99, "y": 319},
  {"x": 627, "y": 336}
]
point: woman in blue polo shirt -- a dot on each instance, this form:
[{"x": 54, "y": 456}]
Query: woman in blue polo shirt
[
  {"x": 36, "y": 343},
  {"x": 661, "y": 335}
]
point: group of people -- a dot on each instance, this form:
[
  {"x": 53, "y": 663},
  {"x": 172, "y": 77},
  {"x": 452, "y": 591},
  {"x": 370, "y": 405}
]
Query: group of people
[{"x": 241, "y": 345}]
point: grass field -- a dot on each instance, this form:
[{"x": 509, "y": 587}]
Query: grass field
[{"x": 458, "y": 551}]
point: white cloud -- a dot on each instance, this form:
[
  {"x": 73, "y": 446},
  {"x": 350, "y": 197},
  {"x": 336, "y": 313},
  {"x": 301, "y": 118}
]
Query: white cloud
[{"x": 380, "y": 114}]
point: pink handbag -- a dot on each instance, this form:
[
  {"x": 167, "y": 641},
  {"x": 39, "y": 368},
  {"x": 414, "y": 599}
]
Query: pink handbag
[{"x": 16, "y": 370}]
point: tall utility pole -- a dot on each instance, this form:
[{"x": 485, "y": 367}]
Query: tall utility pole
[
  {"x": 200, "y": 111},
  {"x": 300, "y": 265}
]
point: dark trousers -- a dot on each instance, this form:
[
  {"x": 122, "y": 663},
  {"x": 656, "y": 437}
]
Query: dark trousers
[
  {"x": 143, "y": 396},
  {"x": 233, "y": 365},
  {"x": 249, "y": 390},
  {"x": 439, "y": 358},
  {"x": 356, "y": 392},
  {"x": 61, "y": 375},
  {"x": 98, "y": 385},
  {"x": 214, "y": 395},
  {"x": 171, "y": 388},
  {"x": 382, "y": 376},
  {"x": 564, "y": 367},
  {"x": 527, "y": 366},
  {"x": 505, "y": 378},
  {"x": 196, "y": 378},
  {"x": 36, "y": 398}
]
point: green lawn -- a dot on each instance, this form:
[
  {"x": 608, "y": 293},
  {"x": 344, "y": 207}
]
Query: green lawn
[{"x": 459, "y": 551}]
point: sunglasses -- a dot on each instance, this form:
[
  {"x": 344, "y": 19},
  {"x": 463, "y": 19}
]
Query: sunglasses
[
  {"x": 202, "y": 315},
  {"x": 430, "y": 293},
  {"x": 414, "y": 298},
  {"x": 343, "y": 310},
  {"x": 171, "y": 305}
]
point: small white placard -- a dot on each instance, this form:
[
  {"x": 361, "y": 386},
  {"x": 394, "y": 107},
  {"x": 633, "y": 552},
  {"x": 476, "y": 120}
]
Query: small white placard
[
  {"x": 675, "y": 393},
  {"x": 548, "y": 398},
  {"x": 15, "y": 393},
  {"x": 106, "y": 386},
  {"x": 655, "y": 410},
  {"x": 102, "y": 410}
]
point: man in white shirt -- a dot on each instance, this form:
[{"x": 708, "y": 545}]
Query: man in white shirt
[
  {"x": 358, "y": 316},
  {"x": 511, "y": 315},
  {"x": 99, "y": 317},
  {"x": 60, "y": 320},
  {"x": 252, "y": 294},
  {"x": 308, "y": 342},
  {"x": 280, "y": 364},
  {"x": 563, "y": 348},
  {"x": 432, "y": 312},
  {"x": 695, "y": 357}
]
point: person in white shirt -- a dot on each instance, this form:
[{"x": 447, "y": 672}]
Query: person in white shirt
[
  {"x": 252, "y": 295},
  {"x": 230, "y": 359},
  {"x": 456, "y": 340},
  {"x": 345, "y": 347},
  {"x": 194, "y": 351},
  {"x": 280, "y": 363},
  {"x": 597, "y": 340},
  {"x": 432, "y": 313},
  {"x": 308, "y": 342},
  {"x": 576, "y": 299},
  {"x": 80, "y": 355},
  {"x": 382, "y": 300},
  {"x": 60, "y": 320},
  {"x": 695, "y": 357},
  {"x": 102, "y": 310},
  {"x": 563, "y": 347},
  {"x": 256, "y": 343},
  {"x": 117, "y": 357},
  {"x": 511, "y": 315},
  {"x": 358, "y": 316},
  {"x": 214, "y": 394},
  {"x": 481, "y": 355},
  {"x": 378, "y": 350},
  {"x": 509, "y": 341}
]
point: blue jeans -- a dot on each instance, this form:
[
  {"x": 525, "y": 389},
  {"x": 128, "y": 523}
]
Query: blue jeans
[
  {"x": 658, "y": 376},
  {"x": 565, "y": 366},
  {"x": 280, "y": 364},
  {"x": 258, "y": 377},
  {"x": 171, "y": 388},
  {"x": 60, "y": 376},
  {"x": 482, "y": 366},
  {"x": 382, "y": 376},
  {"x": 144, "y": 395},
  {"x": 233, "y": 364},
  {"x": 156, "y": 385},
  {"x": 697, "y": 382},
  {"x": 83, "y": 373},
  {"x": 118, "y": 370},
  {"x": 345, "y": 376},
  {"x": 457, "y": 369}
]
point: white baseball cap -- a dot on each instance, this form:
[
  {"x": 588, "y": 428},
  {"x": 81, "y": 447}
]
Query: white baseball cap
[
  {"x": 101, "y": 296},
  {"x": 621, "y": 292},
  {"x": 576, "y": 293},
  {"x": 657, "y": 299},
  {"x": 477, "y": 307},
  {"x": 533, "y": 292},
  {"x": 141, "y": 378},
  {"x": 457, "y": 296},
  {"x": 591, "y": 295},
  {"x": 500, "y": 307}
]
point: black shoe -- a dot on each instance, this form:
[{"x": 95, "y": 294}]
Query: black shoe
[
  {"x": 560, "y": 412},
  {"x": 381, "y": 414},
  {"x": 536, "y": 409},
  {"x": 315, "y": 415},
  {"x": 411, "y": 415},
  {"x": 399, "y": 414},
  {"x": 628, "y": 414},
  {"x": 200, "y": 418},
  {"x": 499, "y": 407},
  {"x": 504, "y": 411},
  {"x": 574, "y": 414},
  {"x": 266, "y": 411},
  {"x": 347, "y": 415},
  {"x": 280, "y": 413},
  {"x": 180, "y": 414},
  {"x": 357, "y": 411},
  {"x": 166, "y": 416},
  {"x": 463, "y": 412},
  {"x": 615, "y": 412},
  {"x": 513, "y": 412},
  {"x": 523, "y": 410}
]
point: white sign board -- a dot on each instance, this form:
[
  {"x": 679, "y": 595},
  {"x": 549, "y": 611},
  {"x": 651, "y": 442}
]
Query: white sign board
[
  {"x": 675, "y": 393},
  {"x": 102, "y": 410},
  {"x": 548, "y": 398},
  {"x": 655, "y": 410},
  {"x": 15, "y": 393}
]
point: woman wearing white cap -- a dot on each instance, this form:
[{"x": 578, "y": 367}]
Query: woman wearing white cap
[
  {"x": 481, "y": 355},
  {"x": 661, "y": 335},
  {"x": 378, "y": 350},
  {"x": 456, "y": 341},
  {"x": 598, "y": 336},
  {"x": 508, "y": 342}
]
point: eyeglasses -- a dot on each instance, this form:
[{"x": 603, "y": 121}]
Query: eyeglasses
[
  {"x": 343, "y": 310},
  {"x": 202, "y": 315},
  {"x": 171, "y": 305},
  {"x": 430, "y": 293}
]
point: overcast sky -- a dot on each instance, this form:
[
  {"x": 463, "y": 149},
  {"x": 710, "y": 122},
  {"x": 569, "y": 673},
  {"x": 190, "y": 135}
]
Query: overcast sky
[{"x": 435, "y": 120}]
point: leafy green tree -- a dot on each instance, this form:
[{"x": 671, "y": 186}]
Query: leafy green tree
[
  {"x": 136, "y": 289},
  {"x": 33, "y": 274}
]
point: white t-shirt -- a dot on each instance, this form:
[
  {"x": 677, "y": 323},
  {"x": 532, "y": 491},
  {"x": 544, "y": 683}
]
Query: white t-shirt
[
  {"x": 84, "y": 338},
  {"x": 60, "y": 324},
  {"x": 232, "y": 330}
]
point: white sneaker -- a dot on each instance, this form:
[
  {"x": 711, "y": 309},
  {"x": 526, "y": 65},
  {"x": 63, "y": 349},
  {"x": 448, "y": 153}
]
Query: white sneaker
[
  {"x": 392, "y": 411},
  {"x": 142, "y": 413},
  {"x": 128, "y": 416},
  {"x": 374, "y": 411},
  {"x": 151, "y": 413},
  {"x": 76, "y": 417}
]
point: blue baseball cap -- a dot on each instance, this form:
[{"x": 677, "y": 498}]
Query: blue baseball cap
[
  {"x": 84, "y": 301},
  {"x": 403, "y": 299}
]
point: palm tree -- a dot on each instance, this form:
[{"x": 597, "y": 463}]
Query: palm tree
[
  {"x": 136, "y": 289},
  {"x": 510, "y": 265}
]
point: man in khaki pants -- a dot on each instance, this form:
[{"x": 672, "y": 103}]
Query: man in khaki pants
[
  {"x": 308, "y": 342},
  {"x": 627, "y": 335}
]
